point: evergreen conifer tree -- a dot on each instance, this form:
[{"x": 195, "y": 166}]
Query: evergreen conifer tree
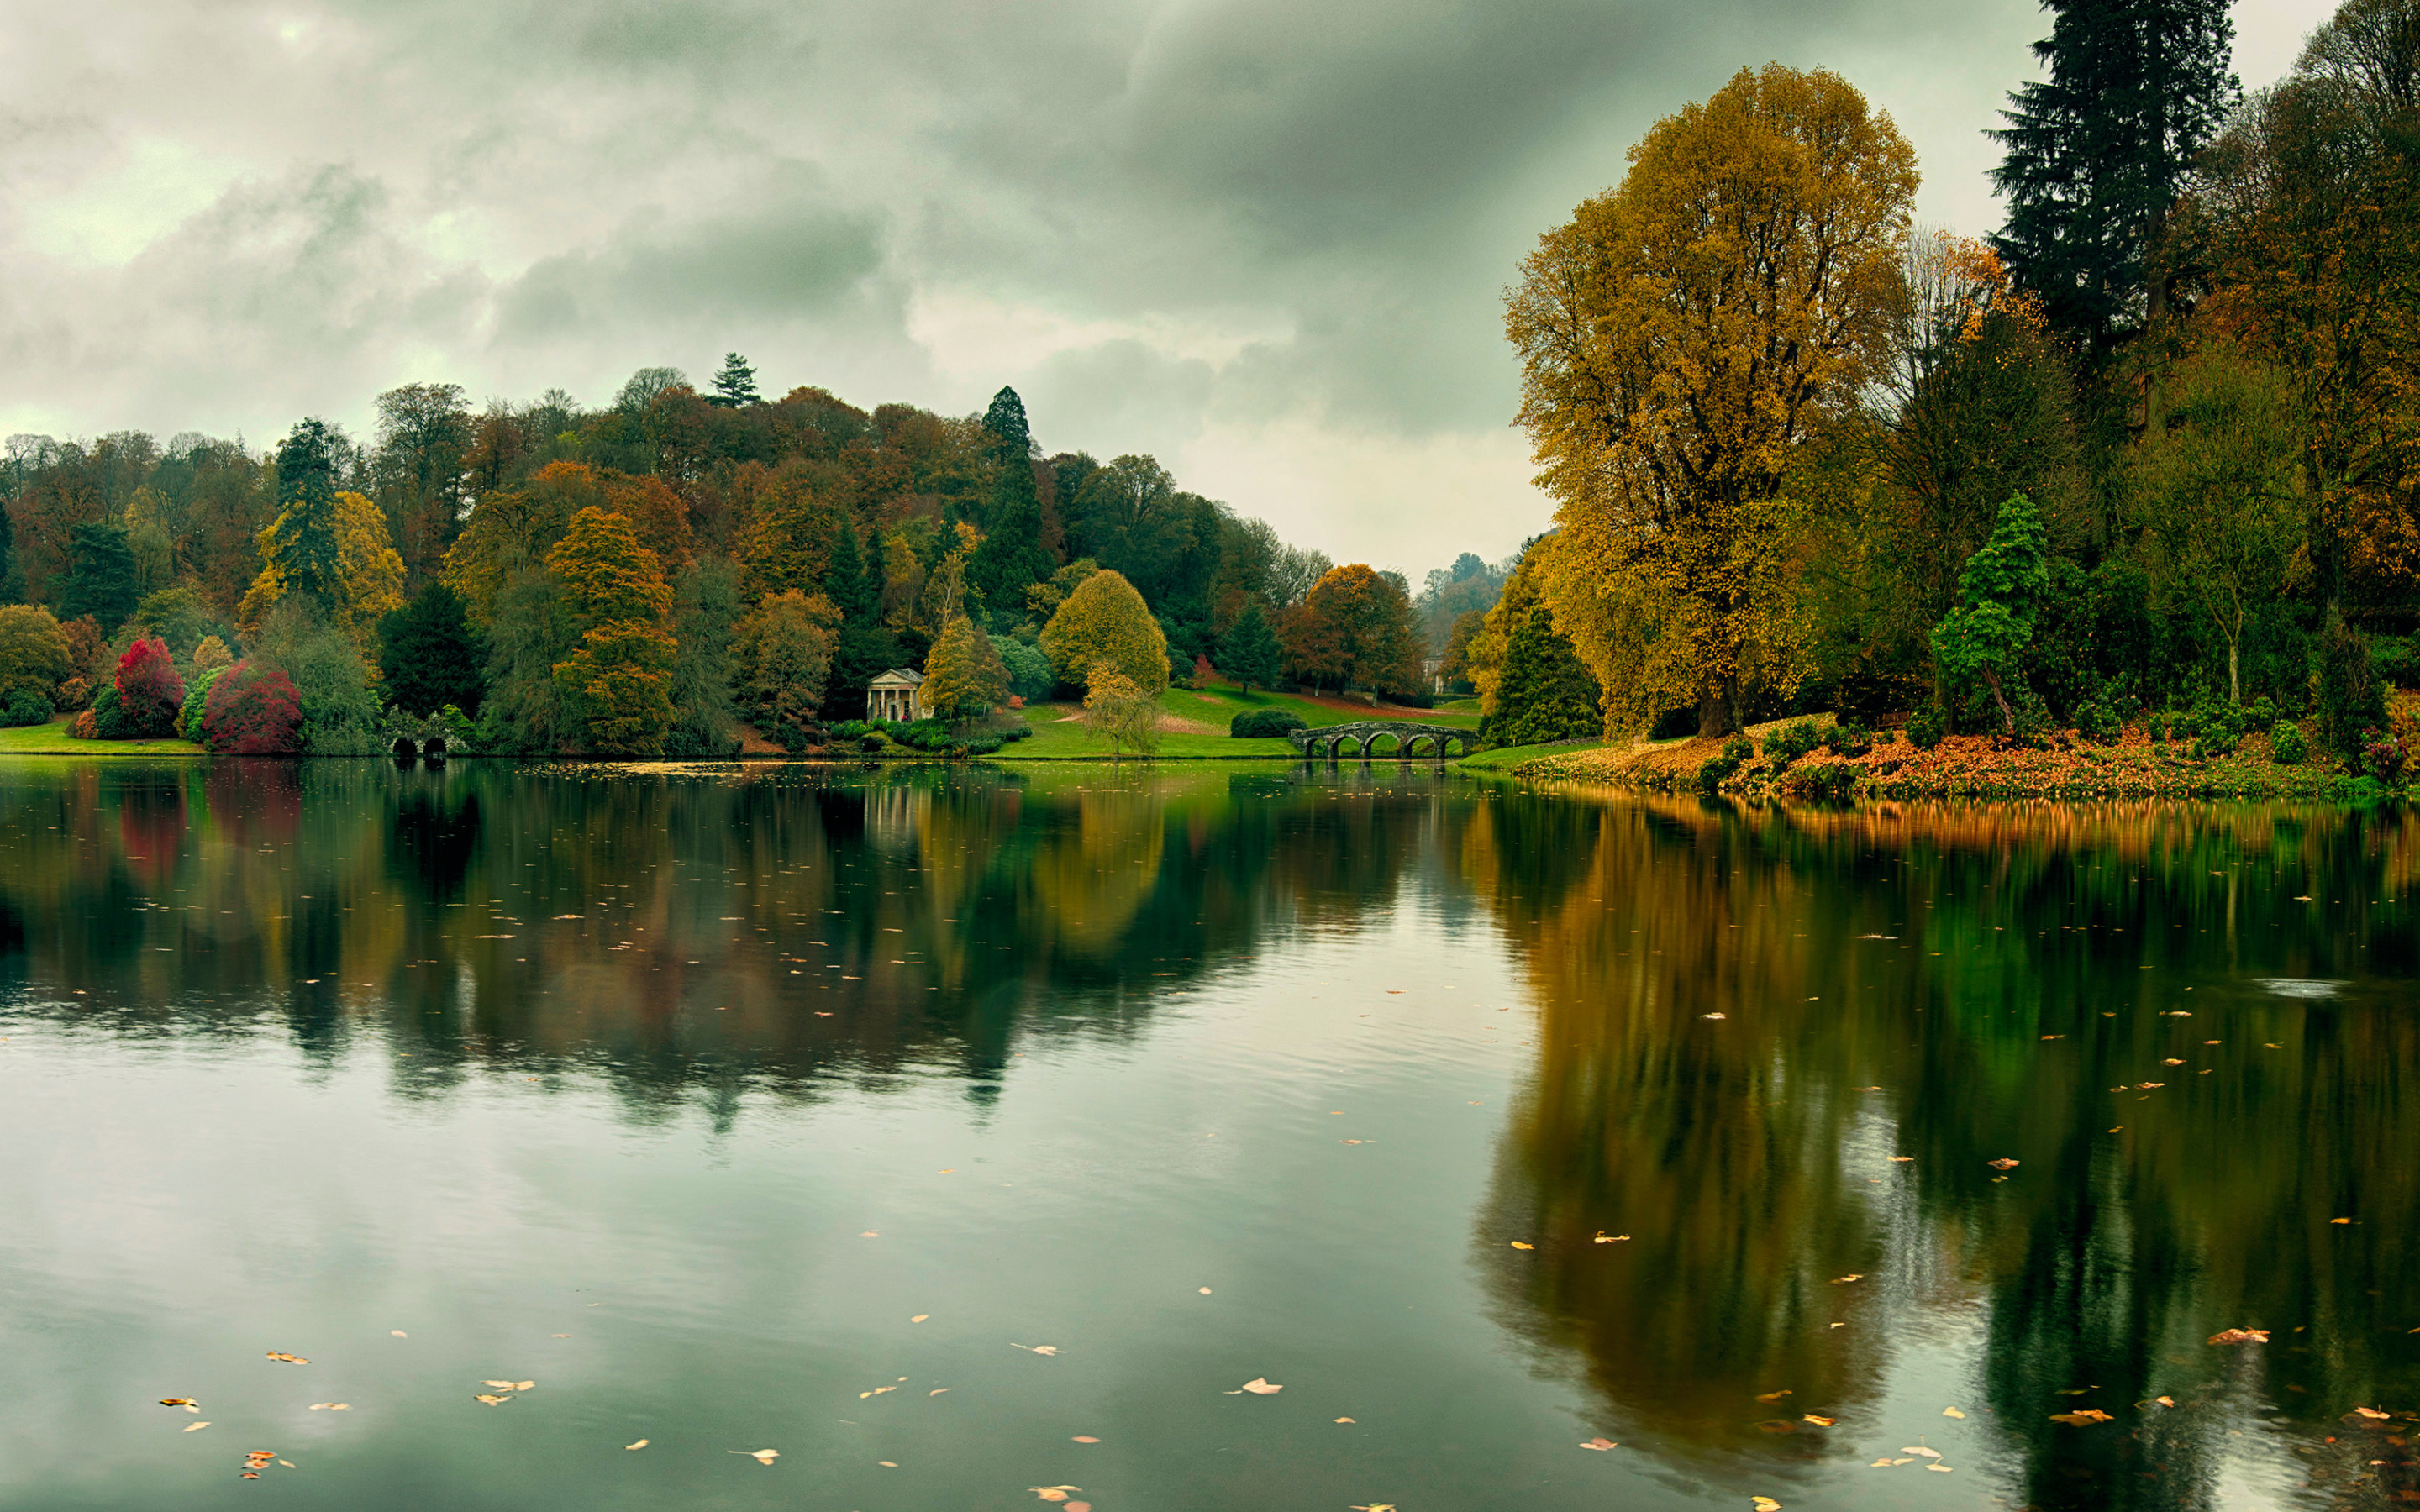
[
  {"x": 101, "y": 582},
  {"x": 430, "y": 655},
  {"x": 1542, "y": 693},
  {"x": 2096, "y": 154},
  {"x": 1250, "y": 654},
  {"x": 735, "y": 383},
  {"x": 308, "y": 551},
  {"x": 864, "y": 649},
  {"x": 1011, "y": 559}
]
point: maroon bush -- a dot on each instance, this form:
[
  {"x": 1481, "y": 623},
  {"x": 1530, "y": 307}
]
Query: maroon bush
[
  {"x": 253, "y": 711},
  {"x": 149, "y": 692}
]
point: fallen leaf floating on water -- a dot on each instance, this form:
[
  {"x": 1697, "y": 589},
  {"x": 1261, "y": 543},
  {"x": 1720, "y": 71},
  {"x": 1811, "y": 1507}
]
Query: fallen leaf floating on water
[
  {"x": 1600, "y": 1444},
  {"x": 178, "y": 1401},
  {"x": 1951, "y": 1411},
  {"x": 875, "y": 1392},
  {"x": 1518, "y": 1244},
  {"x": 1779, "y": 1425},
  {"x": 2082, "y": 1418},
  {"x": 2165, "y": 1401},
  {"x": 288, "y": 1359},
  {"x": 1772, "y": 1397},
  {"x": 492, "y": 1401},
  {"x": 919, "y": 1318},
  {"x": 1344, "y": 1420},
  {"x": 762, "y": 1456},
  {"x": 2171, "y": 1062},
  {"x": 1205, "y": 1291},
  {"x": 1083, "y": 1438},
  {"x": 1054, "y": 1493},
  {"x": 331, "y": 1407},
  {"x": 1844, "y": 1280},
  {"x": 399, "y": 1334},
  {"x": 194, "y": 1428},
  {"x": 2002, "y": 1164},
  {"x": 2339, "y": 1219},
  {"x": 1375, "y": 1506},
  {"x": 2372, "y": 1413},
  {"x": 1035, "y": 1349},
  {"x": 2241, "y": 1335},
  {"x": 641, "y": 1444},
  {"x": 1764, "y": 1504},
  {"x": 887, "y": 1464},
  {"x": 1260, "y": 1387},
  {"x": 2149, "y": 1087},
  {"x": 1613, "y": 1239},
  {"x": 1920, "y": 1450},
  {"x": 1818, "y": 1419},
  {"x": 1901, "y": 1160},
  {"x": 1943, "y": 1468},
  {"x": 1714, "y": 1015}
]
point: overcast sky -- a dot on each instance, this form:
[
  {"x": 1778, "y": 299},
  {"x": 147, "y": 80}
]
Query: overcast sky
[{"x": 1262, "y": 239}]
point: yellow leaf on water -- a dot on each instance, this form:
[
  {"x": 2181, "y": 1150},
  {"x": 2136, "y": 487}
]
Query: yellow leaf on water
[
  {"x": 887, "y": 1464},
  {"x": 1944, "y": 1469},
  {"x": 2165, "y": 1401},
  {"x": 1919, "y": 1449},
  {"x": 2084, "y": 1418},
  {"x": 1517, "y": 1244},
  {"x": 399, "y": 1334},
  {"x": 176, "y": 1401},
  {"x": 1344, "y": 1420},
  {"x": 919, "y": 1318},
  {"x": 762, "y": 1456},
  {"x": 936, "y": 1391},
  {"x": 1818, "y": 1419},
  {"x": 286, "y": 1359},
  {"x": 1054, "y": 1493},
  {"x": 1951, "y": 1411},
  {"x": 524, "y": 1385},
  {"x": 492, "y": 1401},
  {"x": 499, "y": 1385},
  {"x": 1600, "y": 1444},
  {"x": 193, "y": 1427},
  {"x": 1772, "y": 1397},
  {"x": 641, "y": 1444},
  {"x": 1260, "y": 1387},
  {"x": 1764, "y": 1504}
]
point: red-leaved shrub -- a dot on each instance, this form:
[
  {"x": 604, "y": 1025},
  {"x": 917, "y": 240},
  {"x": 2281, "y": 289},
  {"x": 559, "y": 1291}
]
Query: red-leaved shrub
[
  {"x": 253, "y": 711},
  {"x": 149, "y": 692},
  {"x": 86, "y": 726}
]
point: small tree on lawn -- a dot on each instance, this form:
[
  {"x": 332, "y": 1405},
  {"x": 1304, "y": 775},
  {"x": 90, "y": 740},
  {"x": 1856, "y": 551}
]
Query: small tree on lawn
[
  {"x": 963, "y": 677},
  {"x": 1998, "y": 591},
  {"x": 253, "y": 711},
  {"x": 1251, "y": 654},
  {"x": 1117, "y": 707}
]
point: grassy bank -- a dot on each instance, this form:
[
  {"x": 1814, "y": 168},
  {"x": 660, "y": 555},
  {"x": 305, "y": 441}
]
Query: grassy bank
[
  {"x": 2134, "y": 766},
  {"x": 1193, "y": 726},
  {"x": 54, "y": 740}
]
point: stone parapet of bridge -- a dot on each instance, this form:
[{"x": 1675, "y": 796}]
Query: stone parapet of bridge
[{"x": 1411, "y": 740}]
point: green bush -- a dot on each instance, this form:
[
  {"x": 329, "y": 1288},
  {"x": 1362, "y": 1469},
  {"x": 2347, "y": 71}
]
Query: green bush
[
  {"x": 2383, "y": 757},
  {"x": 197, "y": 697},
  {"x": 1831, "y": 782},
  {"x": 1791, "y": 741},
  {"x": 24, "y": 707},
  {"x": 2286, "y": 747},
  {"x": 1924, "y": 727},
  {"x": 1716, "y": 770},
  {"x": 2098, "y": 723},
  {"x": 1849, "y": 739},
  {"x": 1263, "y": 724}
]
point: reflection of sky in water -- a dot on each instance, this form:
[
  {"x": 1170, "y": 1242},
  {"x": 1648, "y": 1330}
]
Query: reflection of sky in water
[{"x": 1072, "y": 1046}]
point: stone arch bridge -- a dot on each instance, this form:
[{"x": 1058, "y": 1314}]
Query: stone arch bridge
[{"x": 1330, "y": 740}]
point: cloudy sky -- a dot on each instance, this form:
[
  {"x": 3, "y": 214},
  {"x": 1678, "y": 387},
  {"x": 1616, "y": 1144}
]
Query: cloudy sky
[{"x": 1262, "y": 239}]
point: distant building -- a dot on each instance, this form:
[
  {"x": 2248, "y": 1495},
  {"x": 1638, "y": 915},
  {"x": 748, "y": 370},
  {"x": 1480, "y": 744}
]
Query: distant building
[{"x": 896, "y": 696}]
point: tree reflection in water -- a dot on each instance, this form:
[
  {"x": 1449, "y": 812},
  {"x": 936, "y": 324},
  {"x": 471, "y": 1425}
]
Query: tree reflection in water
[{"x": 1743, "y": 1016}]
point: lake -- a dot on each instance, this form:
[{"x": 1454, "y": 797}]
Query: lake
[{"x": 978, "y": 1139}]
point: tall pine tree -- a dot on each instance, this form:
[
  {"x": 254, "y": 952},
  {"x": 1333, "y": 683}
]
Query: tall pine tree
[
  {"x": 306, "y": 552},
  {"x": 2096, "y": 154},
  {"x": 864, "y": 649},
  {"x": 1011, "y": 559}
]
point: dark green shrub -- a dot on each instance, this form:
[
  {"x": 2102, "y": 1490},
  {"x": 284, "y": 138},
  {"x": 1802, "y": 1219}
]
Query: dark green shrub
[
  {"x": 1849, "y": 739},
  {"x": 2098, "y": 723},
  {"x": 1263, "y": 724},
  {"x": 2351, "y": 700},
  {"x": 2259, "y": 715},
  {"x": 24, "y": 707},
  {"x": 1791, "y": 741},
  {"x": 2286, "y": 744},
  {"x": 1923, "y": 729},
  {"x": 1831, "y": 782},
  {"x": 1716, "y": 770},
  {"x": 851, "y": 729}
]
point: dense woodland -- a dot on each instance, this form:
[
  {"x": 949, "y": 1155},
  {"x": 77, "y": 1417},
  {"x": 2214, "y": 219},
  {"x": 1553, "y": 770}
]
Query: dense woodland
[
  {"x": 2153, "y": 446},
  {"x": 642, "y": 577}
]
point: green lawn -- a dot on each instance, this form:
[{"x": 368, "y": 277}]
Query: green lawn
[
  {"x": 1057, "y": 737},
  {"x": 1513, "y": 756},
  {"x": 54, "y": 740}
]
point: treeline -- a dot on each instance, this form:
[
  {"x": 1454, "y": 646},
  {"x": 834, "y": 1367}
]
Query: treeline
[
  {"x": 641, "y": 577},
  {"x": 2177, "y": 397}
]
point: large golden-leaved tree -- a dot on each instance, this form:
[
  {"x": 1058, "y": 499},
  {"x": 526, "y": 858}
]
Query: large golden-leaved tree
[
  {"x": 369, "y": 571},
  {"x": 618, "y": 684},
  {"x": 1681, "y": 339}
]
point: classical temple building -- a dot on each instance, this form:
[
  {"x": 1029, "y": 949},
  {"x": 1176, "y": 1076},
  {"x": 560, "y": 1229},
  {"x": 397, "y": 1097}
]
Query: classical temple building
[{"x": 897, "y": 695}]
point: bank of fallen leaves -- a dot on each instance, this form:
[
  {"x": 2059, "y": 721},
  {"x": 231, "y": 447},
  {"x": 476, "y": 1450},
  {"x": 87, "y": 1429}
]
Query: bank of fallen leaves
[{"x": 1964, "y": 767}]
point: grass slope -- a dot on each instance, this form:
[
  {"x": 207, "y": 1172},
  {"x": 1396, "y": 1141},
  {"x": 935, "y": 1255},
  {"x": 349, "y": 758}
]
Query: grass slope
[
  {"x": 54, "y": 740},
  {"x": 1059, "y": 737}
]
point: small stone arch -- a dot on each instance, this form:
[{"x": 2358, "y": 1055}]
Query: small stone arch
[
  {"x": 403, "y": 749},
  {"x": 433, "y": 749}
]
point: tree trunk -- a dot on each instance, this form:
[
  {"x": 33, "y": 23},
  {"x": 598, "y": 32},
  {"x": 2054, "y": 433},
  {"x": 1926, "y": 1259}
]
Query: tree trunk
[
  {"x": 1714, "y": 709},
  {"x": 2008, "y": 717},
  {"x": 2235, "y": 669}
]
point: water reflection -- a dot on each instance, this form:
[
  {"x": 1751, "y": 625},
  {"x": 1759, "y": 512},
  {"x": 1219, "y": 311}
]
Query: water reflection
[
  {"x": 1779, "y": 1058},
  {"x": 1745, "y": 1019}
]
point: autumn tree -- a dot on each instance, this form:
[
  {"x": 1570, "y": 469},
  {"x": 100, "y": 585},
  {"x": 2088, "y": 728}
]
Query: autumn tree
[
  {"x": 964, "y": 676},
  {"x": 2216, "y": 484},
  {"x": 784, "y": 652},
  {"x": 419, "y": 463},
  {"x": 1105, "y": 622},
  {"x": 1532, "y": 685},
  {"x": 616, "y": 686},
  {"x": 1122, "y": 711},
  {"x": 149, "y": 693},
  {"x": 1250, "y": 654},
  {"x": 1999, "y": 593},
  {"x": 705, "y": 611},
  {"x": 1353, "y": 628},
  {"x": 33, "y": 652},
  {"x": 303, "y": 547},
  {"x": 368, "y": 581},
  {"x": 1680, "y": 339}
]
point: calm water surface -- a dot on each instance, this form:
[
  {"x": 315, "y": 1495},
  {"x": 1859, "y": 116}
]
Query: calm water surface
[{"x": 925, "y": 1125}]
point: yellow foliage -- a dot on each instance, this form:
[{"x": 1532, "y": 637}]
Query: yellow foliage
[
  {"x": 373, "y": 574},
  {"x": 1104, "y": 622},
  {"x": 1681, "y": 338}
]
